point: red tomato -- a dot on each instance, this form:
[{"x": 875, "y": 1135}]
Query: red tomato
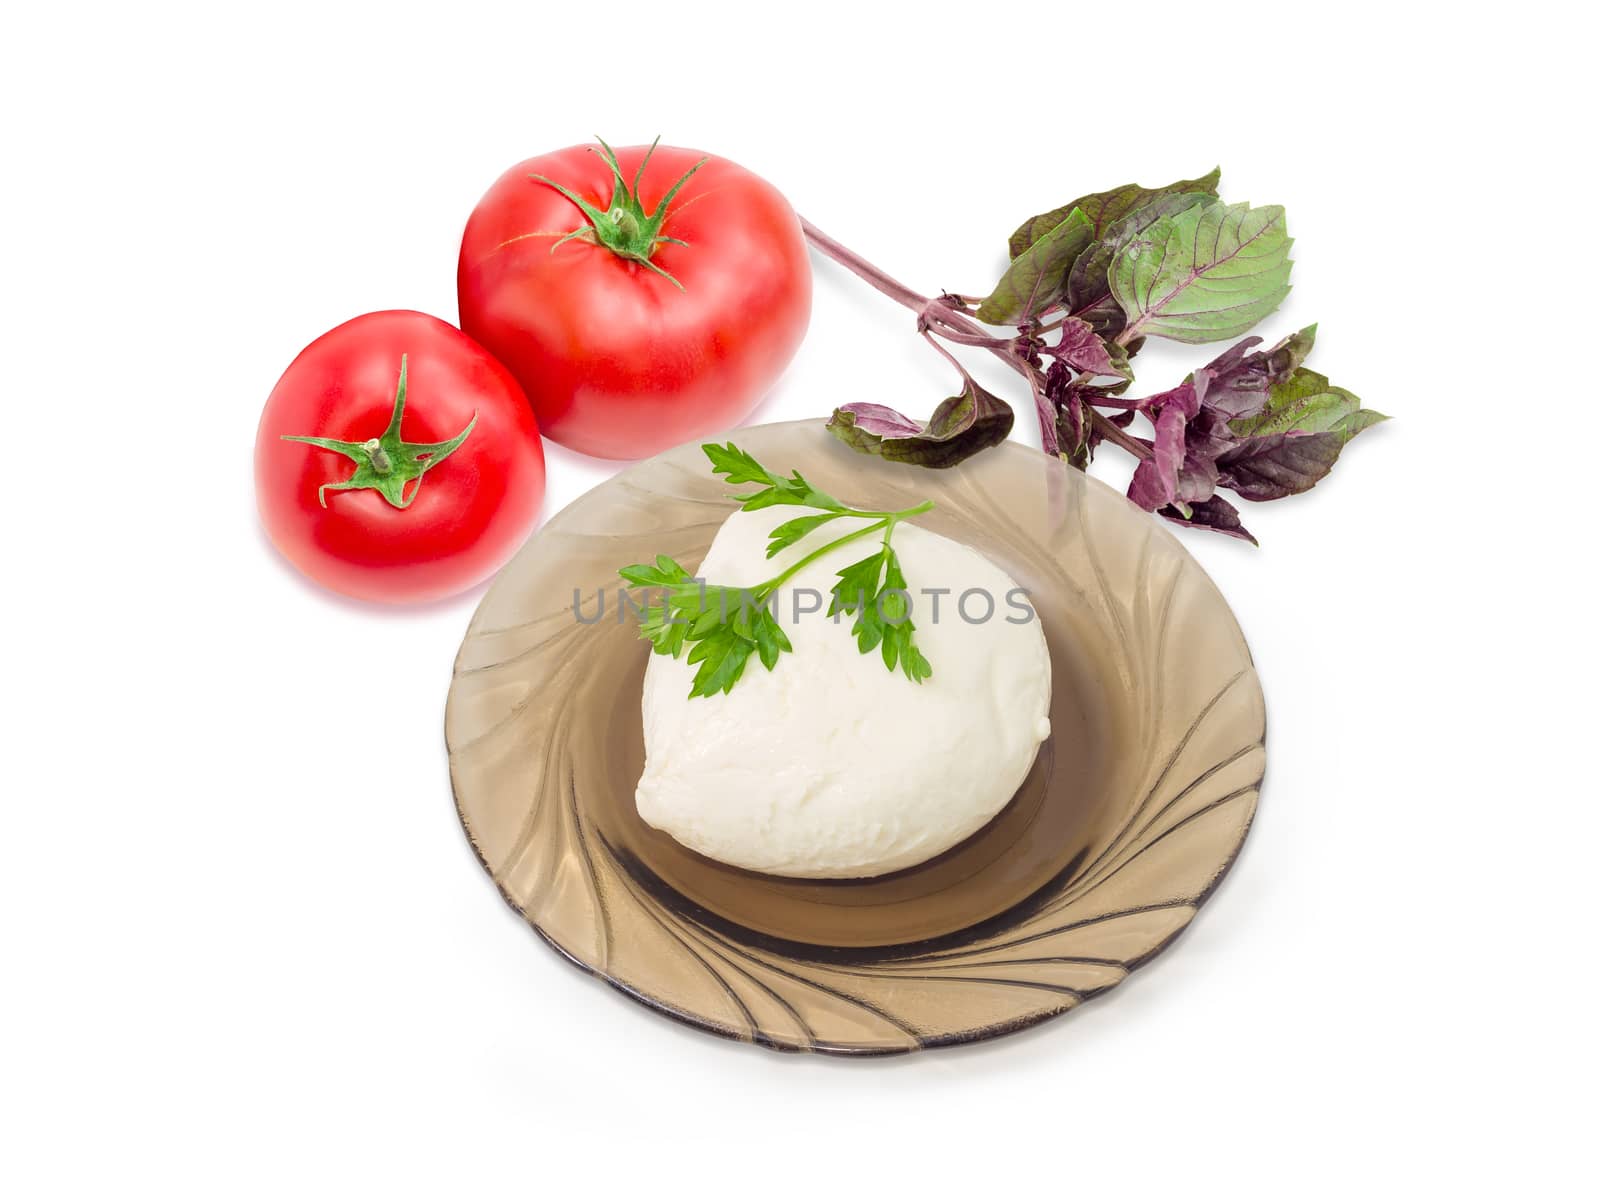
[
  {"x": 472, "y": 505},
  {"x": 618, "y": 359}
]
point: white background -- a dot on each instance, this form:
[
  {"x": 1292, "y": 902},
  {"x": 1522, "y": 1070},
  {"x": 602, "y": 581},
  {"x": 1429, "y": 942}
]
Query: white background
[{"x": 248, "y": 954}]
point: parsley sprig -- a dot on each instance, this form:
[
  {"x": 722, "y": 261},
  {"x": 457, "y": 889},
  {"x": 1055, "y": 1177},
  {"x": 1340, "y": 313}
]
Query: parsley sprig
[{"x": 722, "y": 626}]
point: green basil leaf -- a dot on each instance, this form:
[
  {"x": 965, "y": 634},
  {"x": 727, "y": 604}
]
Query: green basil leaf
[
  {"x": 1307, "y": 403},
  {"x": 1207, "y": 273},
  {"x": 1089, "y": 282},
  {"x": 1037, "y": 278},
  {"x": 1104, "y": 208}
]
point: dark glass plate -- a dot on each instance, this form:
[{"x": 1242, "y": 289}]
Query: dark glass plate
[{"x": 1135, "y": 808}]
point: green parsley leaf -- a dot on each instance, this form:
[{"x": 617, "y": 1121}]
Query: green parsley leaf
[
  {"x": 664, "y": 573},
  {"x": 770, "y": 639},
  {"x": 664, "y": 630},
  {"x": 739, "y": 467},
  {"x": 858, "y": 582},
  {"x": 736, "y": 466},
  {"x": 722, "y": 626},
  {"x": 721, "y": 655},
  {"x": 794, "y": 530}
]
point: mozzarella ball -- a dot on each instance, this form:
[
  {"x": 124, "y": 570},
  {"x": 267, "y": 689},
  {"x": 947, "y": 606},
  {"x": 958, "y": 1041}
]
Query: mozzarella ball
[{"x": 830, "y": 765}]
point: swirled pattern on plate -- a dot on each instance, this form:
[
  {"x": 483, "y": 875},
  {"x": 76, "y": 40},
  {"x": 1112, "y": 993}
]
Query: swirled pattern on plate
[{"x": 1133, "y": 812}]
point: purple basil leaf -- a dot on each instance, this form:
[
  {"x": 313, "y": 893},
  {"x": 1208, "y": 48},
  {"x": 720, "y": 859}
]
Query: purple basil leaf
[
  {"x": 1267, "y": 467},
  {"x": 1215, "y": 514},
  {"x": 1208, "y": 434},
  {"x": 960, "y": 427},
  {"x": 1197, "y": 478},
  {"x": 1104, "y": 208},
  {"x": 1082, "y": 397},
  {"x": 1155, "y": 480},
  {"x": 1080, "y": 347},
  {"x": 1099, "y": 392},
  {"x": 882, "y": 421},
  {"x": 1184, "y": 397},
  {"x": 1238, "y": 382},
  {"x": 1073, "y": 430},
  {"x": 1047, "y": 400}
]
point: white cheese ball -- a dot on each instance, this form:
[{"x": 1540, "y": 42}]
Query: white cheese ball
[{"x": 830, "y": 765}]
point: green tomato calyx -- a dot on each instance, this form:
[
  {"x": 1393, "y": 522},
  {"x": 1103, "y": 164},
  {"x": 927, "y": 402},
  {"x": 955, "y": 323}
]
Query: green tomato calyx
[
  {"x": 387, "y": 463},
  {"x": 623, "y": 227}
]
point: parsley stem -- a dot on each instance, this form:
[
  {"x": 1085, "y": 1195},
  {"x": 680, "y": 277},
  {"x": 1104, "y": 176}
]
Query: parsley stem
[
  {"x": 696, "y": 612},
  {"x": 920, "y": 508},
  {"x": 886, "y": 523},
  {"x": 763, "y": 589}
]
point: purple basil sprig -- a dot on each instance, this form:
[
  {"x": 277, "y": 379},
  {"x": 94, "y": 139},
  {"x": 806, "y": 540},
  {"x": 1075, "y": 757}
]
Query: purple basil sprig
[{"x": 1086, "y": 285}]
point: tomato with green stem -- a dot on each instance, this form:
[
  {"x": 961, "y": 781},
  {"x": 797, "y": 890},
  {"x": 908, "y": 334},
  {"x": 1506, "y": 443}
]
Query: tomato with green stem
[
  {"x": 397, "y": 461},
  {"x": 641, "y": 297}
]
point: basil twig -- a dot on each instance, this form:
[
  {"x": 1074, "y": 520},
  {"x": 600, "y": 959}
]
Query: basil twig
[{"x": 1087, "y": 283}]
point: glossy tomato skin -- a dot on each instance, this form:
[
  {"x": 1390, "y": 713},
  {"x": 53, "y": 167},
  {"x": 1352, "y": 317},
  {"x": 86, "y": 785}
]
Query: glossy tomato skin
[
  {"x": 617, "y": 361},
  {"x": 468, "y": 515}
]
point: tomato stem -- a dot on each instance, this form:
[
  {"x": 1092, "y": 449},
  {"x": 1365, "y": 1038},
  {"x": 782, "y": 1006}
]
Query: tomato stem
[
  {"x": 387, "y": 463},
  {"x": 623, "y": 227}
]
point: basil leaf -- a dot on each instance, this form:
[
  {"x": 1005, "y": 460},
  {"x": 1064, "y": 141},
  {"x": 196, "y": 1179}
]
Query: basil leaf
[
  {"x": 1239, "y": 382},
  {"x": 879, "y": 420},
  {"x": 1215, "y": 513},
  {"x": 1155, "y": 480},
  {"x": 1357, "y": 422},
  {"x": 1103, "y": 208},
  {"x": 1207, "y": 273},
  {"x": 961, "y": 426},
  {"x": 1272, "y": 466},
  {"x": 1037, "y": 278},
  {"x": 1080, "y": 347},
  {"x": 1307, "y": 403},
  {"x": 1089, "y": 282}
]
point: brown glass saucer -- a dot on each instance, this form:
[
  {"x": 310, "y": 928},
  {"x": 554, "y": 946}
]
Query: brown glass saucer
[{"x": 1137, "y": 804}]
